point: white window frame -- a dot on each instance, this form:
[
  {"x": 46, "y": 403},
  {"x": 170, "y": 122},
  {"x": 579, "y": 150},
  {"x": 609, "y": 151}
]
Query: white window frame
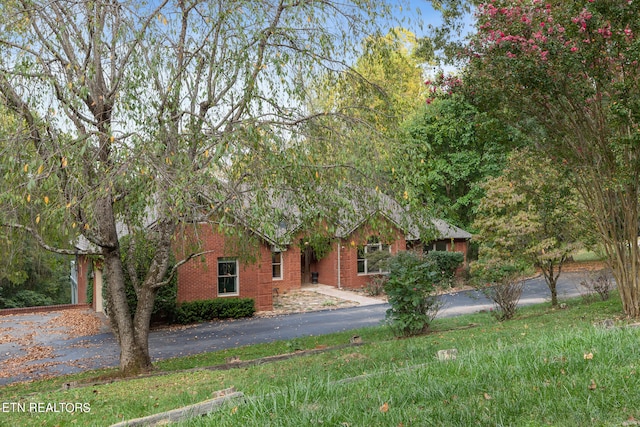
[
  {"x": 365, "y": 250},
  {"x": 433, "y": 246},
  {"x": 236, "y": 277},
  {"x": 279, "y": 263}
]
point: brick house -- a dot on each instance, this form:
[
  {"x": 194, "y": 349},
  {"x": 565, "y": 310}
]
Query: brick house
[
  {"x": 281, "y": 263},
  {"x": 279, "y": 268}
]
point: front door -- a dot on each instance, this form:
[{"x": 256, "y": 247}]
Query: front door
[{"x": 306, "y": 258}]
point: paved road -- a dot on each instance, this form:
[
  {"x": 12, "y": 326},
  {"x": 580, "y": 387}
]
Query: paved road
[{"x": 102, "y": 351}]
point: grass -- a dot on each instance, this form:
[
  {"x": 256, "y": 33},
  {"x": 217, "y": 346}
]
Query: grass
[
  {"x": 586, "y": 255},
  {"x": 546, "y": 367}
]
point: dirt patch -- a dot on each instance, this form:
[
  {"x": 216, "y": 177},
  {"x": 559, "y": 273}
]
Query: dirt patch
[{"x": 353, "y": 357}]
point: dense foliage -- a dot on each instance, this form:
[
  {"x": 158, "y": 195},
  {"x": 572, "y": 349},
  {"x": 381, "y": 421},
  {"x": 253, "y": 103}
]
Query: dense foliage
[
  {"x": 411, "y": 289},
  {"x": 566, "y": 73},
  {"x": 531, "y": 213},
  {"x": 446, "y": 262},
  {"x": 448, "y": 149},
  {"x": 219, "y": 308},
  {"x": 30, "y": 276}
]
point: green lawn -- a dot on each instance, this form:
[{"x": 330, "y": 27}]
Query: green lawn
[
  {"x": 586, "y": 256},
  {"x": 546, "y": 367}
]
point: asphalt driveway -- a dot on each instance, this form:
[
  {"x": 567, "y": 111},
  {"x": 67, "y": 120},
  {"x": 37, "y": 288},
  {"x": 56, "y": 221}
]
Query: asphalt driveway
[{"x": 101, "y": 350}]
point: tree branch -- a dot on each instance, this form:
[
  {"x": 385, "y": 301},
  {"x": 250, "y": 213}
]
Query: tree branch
[
  {"x": 46, "y": 246},
  {"x": 174, "y": 270}
]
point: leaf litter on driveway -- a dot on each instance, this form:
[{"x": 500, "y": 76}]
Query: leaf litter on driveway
[
  {"x": 24, "y": 338},
  {"x": 25, "y": 352}
]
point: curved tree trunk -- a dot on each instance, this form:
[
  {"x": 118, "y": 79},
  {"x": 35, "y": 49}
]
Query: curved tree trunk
[
  {"x": 134, "y": 354},
  {"x": 147, "y": 291}
]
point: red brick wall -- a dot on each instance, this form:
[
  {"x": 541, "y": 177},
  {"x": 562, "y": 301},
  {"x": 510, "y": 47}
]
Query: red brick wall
[
  {"x": 291, "y": 271},
  {"x": 349, "y": 277},
  {"x": 461, "y": 246},
  {"x": 43, "y": 309},
  {"x": 327, "y": 267},
  {"x": 198, "y": 278}
]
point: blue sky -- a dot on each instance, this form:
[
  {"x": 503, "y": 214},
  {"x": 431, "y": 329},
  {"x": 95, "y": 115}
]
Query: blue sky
[
  {"x": 414, "y": 11},
  {"x": 416, "y": 14},
  {"x": 422, "y": 10}
]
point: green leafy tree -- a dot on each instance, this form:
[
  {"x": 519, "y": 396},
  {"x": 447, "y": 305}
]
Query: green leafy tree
[
  {"x": 383, "y": 87},
  {"x": 531, "y": 213},
  {"x": 568, "y": 71},
  {"x": 25, "y": 267},
  {"x": 138, "y": 116},
  {"x": 448, "y": 148}
]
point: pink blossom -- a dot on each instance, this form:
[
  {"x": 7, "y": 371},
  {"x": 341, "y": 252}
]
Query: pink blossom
[
  {"x": 574, "y": 49},
  {"x": 605, "y": 31}
]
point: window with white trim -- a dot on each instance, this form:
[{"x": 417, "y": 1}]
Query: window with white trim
[
  {"x": 227, "y": 276},
  {"x": 440, "y": 245},
  {"x": 368, "y": 260},
  {"x": 276, "y": 265}
]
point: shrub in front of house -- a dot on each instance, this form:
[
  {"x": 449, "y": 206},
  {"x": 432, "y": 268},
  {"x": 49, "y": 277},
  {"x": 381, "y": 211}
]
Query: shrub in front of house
[
  {"x": 412, "y": 293},
  {"x": 219, "y": 308},
  {"x": 446, "y": 262},
  {"x": 502, "y": 282}
]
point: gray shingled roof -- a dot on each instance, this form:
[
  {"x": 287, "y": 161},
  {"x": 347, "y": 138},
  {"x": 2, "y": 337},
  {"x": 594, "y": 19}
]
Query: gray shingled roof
[
  {"x": 414, "y": 224},
  {"x": 287, "y": 220}
]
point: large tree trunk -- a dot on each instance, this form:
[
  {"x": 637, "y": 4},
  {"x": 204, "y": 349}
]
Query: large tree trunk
[
  {"x": 134, "y": 354},
  {"x": 148, "y": 289},
  {"x": 623, "y": 260}
]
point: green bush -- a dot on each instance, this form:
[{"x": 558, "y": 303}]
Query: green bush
[
  {"x": 219, "y": 308},
  {"x": 412, "y": 293},
  {"x": 502, "y": 283},
  {"x": 446, "y": 262},
  {"x": 26, "y": 298}
]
